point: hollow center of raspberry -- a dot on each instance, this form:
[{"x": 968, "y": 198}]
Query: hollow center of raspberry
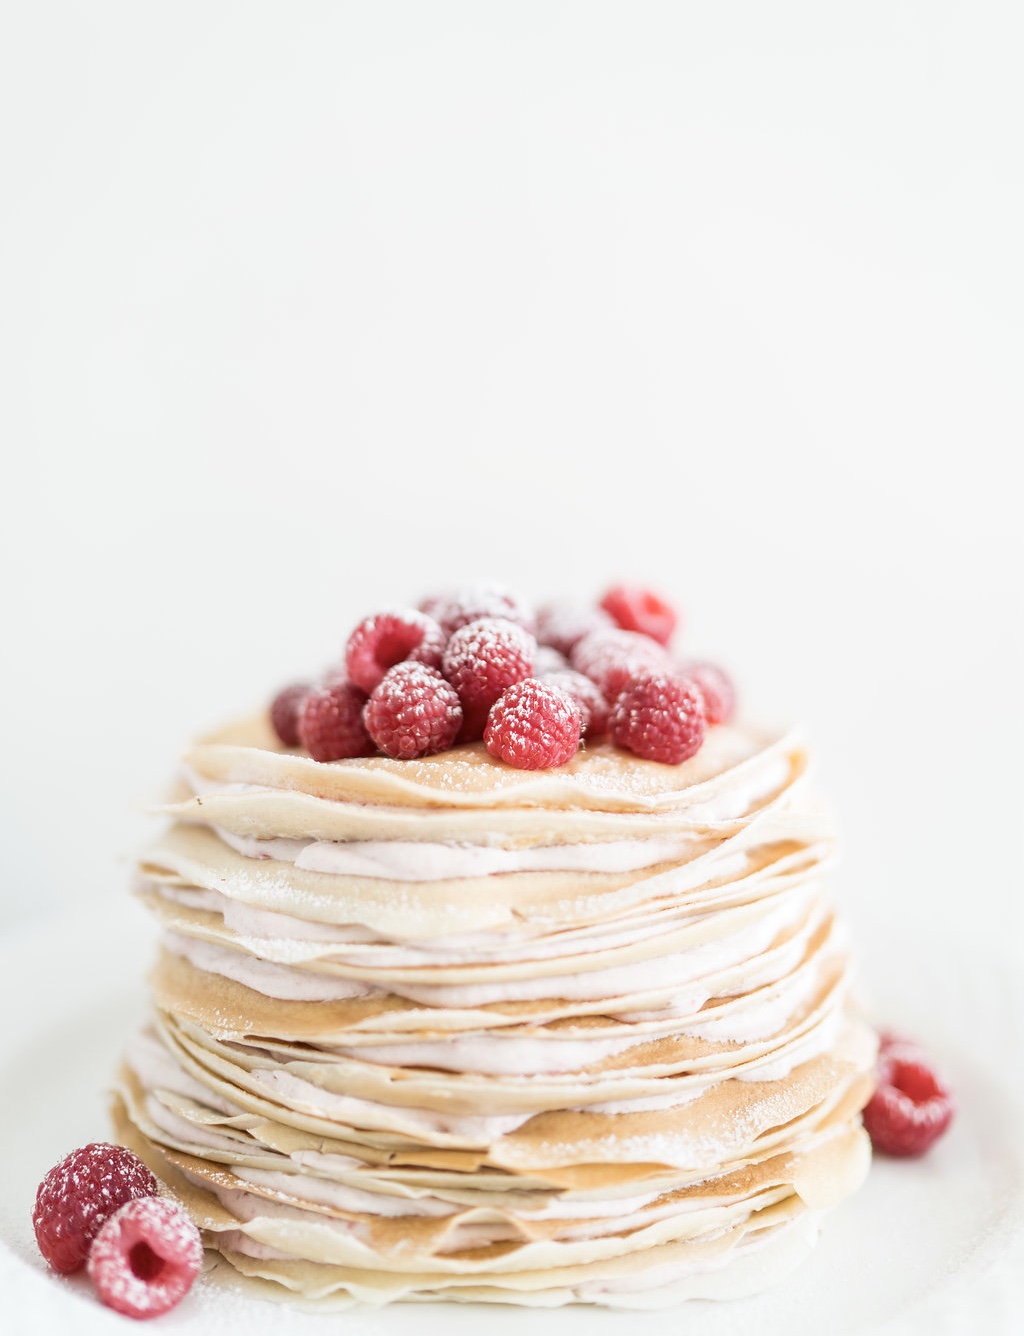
[
  {"x": 916, "y": 1083},
  {"x": 394, "y": 646},
  {"x": 144, "y": 1262}
]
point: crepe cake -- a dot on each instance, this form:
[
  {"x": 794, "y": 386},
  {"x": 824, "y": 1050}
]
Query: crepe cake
[{"x": 447, "y": 1029}]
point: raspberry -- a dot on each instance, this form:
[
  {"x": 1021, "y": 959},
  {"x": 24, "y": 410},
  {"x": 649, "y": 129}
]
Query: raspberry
[
  {"x": 563, "y": 625},
  {"x": 387, "y": 638},
  {"x": 611, "y": 658},
  {"x": 78, "y": 1195},
  {"x": 637, "y": 609},
  {"x": 548, "y": 660},
  {"x": 481, "y": 660},
  {"x": 534, "y": 726},
  {"x": 413, "y": 712},
  {"x": 472, "y": 603},
  {"x": 717, "y": 689},
  {"x": 660, "y": 718},
  {"x": 145, "y": 1257},
  {"x": 586, "y": 694},
  {"x": 912, "y": 1105},
  {"x": 331, "y": 724},
  {"x": 284, "y": 712}
]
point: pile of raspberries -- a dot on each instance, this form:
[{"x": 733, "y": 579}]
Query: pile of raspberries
[{"x": 476, "y": 663}]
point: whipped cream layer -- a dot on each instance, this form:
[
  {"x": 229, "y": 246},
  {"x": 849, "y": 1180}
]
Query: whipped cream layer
[{"x": 445, "y": 1028}]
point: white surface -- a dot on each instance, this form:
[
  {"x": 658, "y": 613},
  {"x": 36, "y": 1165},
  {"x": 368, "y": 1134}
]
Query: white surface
[{"x": 932, "y": 1245}]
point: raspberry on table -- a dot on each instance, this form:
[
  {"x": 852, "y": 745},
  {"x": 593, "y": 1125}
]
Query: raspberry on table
[
  {"x": 912, "y": 1105},
  {"x": 387, "y": 638},
  {"x": 534, "y": 726},
  {"x": 637, "y": 609},
  {"x": 79, "y": 1194},
  {"x": 611, "y": 658},
  {"x": 284, "y": 712},
  {"x": 563, "y": 625},
  {"x": 481, "y": 661},
  {"x": 586, "y": 694},
  {"x": 659, "y": 717},
  {"x": 331, "y": 724},
  {"x": 455, "y": 608},
  {"x": 717, "y": 689},
  {"x": 413, "y": 712},
  {"x": 145, "y": 1258}
]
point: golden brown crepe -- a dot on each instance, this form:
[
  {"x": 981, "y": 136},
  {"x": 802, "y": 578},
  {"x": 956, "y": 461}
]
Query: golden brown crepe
[{"x": 446, "y": 1029}]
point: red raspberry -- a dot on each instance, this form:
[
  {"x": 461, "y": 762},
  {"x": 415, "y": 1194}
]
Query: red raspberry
[
  {"x": 912, "y": 1105},
  {"x": 414, "y": 712},
  {"x": 611, "y": 658},
  {"x": 548, "y": 660},
  {"x": 586, "y": 694},
  {"x": 284, "y": 712},
  {"x": 387, "y": 638},
  {"x": 534, "y": 726},
  {"x": 481, "y": 660},
  {"x": 660, "y": 718},
  {"x": 456, "y": 608},
  {"x": 331, "y": 724},
  {"x": 78, "y": 1195},
  {"x": 563, "y": 625},
  {"x": 146, "y": 1257},
  {"x": 637, "y": 609},
  {"x": 717, "y": 689}
]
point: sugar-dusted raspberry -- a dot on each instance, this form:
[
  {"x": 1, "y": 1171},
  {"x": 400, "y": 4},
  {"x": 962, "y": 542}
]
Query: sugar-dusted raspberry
[
  {"x": 145, "y": 1258},
  {"x": 611, "y": 658},
  {"x": 534, "y": 726},
  {"x": 586, "y": 694},
  {"x": 548, "y": 660},
  {"x": 79, "y": 1194},
  {"x": 563, "y": 625},
  {"x": 637, "y": 609},
  {"x": 455, "y": 608},
  {"x": 481, "y": 660},
  {"x": 387, "y": 638},
  {"x": 659, "y": 717},
  {"x": 717, "y": 689},
  {"x": 912, "y": 1105},
  {"x": 331, "y": 724},
  {"x": 284, "y": 712},
  {"x": 413, "y": 712}
]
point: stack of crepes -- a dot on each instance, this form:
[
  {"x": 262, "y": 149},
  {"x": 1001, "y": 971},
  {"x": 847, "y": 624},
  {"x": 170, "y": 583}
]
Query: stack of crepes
[{"x": 444, "y": 1029}]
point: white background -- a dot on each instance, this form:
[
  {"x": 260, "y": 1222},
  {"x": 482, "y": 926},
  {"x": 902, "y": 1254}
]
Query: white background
[{"x": 307, "y": 308}]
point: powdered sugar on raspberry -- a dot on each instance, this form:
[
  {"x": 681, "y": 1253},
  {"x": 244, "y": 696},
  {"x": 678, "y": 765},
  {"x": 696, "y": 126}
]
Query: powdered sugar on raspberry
[
  {"x": 390, "y": 637},
  {"x": 413, "y": 712},
  {"x": 534, "y": 726},
  {"x": 145, "y": 1258},
  {"x": 79, "y": 1194},
  {"x": 455, "y": 608},
  {"x": 563, "y": 625},
  {"x": 586, "y": 694},
  {"x": 481, "y": 661},
  {"x": 611, "y": 658}
]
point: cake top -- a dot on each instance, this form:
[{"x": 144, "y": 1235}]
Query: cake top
[{"x": 475, "y": 665}]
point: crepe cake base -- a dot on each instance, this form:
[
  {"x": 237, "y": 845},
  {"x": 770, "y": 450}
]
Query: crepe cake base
[{"x": 624, "y": 1069}]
